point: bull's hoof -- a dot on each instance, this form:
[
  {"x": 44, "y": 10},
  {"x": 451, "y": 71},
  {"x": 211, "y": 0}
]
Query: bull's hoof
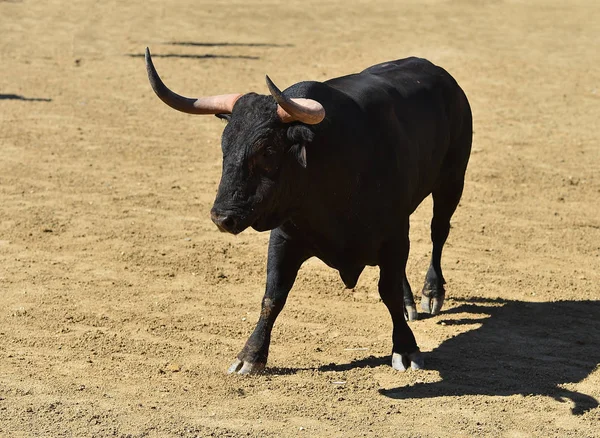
[
  {"x": 432, "y": 305},
  {"x": 410, "y": 313},
  {"x": 244, "y": 368},
  {"x": 402, "y": 362}
]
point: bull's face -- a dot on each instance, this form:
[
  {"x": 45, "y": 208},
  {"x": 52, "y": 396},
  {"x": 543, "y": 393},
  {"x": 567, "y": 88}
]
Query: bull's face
[
  {"x": 264, "y": 140},
  {"x": 257, "y": 156}
]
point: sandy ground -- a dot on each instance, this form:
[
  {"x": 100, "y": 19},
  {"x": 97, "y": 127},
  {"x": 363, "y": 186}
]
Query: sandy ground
[{"x": 121, "y": 305}]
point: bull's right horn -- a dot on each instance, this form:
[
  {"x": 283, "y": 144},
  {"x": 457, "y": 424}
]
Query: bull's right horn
[
  {"x": 308, "y": 111},
  {"x": 222, "y": 104}
]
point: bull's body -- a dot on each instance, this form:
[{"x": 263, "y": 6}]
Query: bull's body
[
  {"x": 392, "y": 134},
  {"x": 342, "y": 188}
]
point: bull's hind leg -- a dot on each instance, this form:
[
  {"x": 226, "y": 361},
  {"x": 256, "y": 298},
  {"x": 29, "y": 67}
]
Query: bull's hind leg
[
  {"x": 445, "y": 201},
  {"x": 410, "y": 309},
  {"x": 392, "y": 266}
]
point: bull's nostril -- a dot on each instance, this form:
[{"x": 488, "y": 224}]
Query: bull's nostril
[
  {"x": 223, "y": 221},
  {"x": 227, "y": 222}
]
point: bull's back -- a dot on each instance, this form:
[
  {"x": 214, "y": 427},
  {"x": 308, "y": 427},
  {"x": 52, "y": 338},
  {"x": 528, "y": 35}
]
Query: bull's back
[
  {"x": 416, "y": 83},
  {"x": 415, "y": 114},
  {"x": 399, "y": 79}
]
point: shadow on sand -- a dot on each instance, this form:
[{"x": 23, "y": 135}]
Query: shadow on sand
[
  {"x": 27, "y": 99},
  {"x": 187, "y": 56},
  {"x": 520, "y": 348},
  {"x": 196, "y": 44}
]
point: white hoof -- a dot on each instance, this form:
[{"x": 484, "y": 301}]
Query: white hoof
[
  {"x": 243, "y": 368},
  {"x": 402, "y": 362}
]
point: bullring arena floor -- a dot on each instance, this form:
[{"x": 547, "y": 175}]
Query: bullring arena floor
[{"x": 121, "y": 304}]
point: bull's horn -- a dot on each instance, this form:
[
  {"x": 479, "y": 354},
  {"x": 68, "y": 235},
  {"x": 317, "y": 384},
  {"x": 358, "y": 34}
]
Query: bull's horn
[
  {"x": 222, "y": 104},
  {"x": 306, "y": 111}
]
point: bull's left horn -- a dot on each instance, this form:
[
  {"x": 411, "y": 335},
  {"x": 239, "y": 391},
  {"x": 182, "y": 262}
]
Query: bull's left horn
[
  {"x": 307, "y": 111},
  {"x": 222, "y": 104}
]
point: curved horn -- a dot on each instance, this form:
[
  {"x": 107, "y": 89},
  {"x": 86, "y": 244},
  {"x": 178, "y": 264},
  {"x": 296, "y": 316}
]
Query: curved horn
[
  {"x": 306, "y": 111},
  {"x": 221, "y": 104}
]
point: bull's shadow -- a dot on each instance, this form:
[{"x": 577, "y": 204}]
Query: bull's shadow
[{"x": 520, "y": 348}]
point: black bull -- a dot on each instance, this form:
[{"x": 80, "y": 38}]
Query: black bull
[{"x": 341, "y": 186}]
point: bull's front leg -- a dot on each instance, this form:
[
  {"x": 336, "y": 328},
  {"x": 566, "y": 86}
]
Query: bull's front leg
[
  {"x": 284, "y": 260},
  {"x": 392, "y": 266}
]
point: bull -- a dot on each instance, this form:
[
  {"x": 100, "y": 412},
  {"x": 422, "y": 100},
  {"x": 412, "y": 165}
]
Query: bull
[{"x": 335, "y": 169}]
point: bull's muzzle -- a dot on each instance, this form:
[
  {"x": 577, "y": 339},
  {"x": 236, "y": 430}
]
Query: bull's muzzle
[{"x": 225, "y": 222}]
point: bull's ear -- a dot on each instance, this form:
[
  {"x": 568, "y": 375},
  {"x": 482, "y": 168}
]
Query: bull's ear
[
  {"x": 224, "y": 116},
  {"x": 300, "y": 135},
  {"x": 299, "y": 152}
]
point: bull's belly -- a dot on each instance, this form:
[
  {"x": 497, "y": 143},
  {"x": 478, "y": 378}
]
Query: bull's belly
[
  {"x": 346, "y": 251},
  {"x": 349, "y": 261},
  {"x": 345, "y": 244},
  {"x": 348, "y": 258}
]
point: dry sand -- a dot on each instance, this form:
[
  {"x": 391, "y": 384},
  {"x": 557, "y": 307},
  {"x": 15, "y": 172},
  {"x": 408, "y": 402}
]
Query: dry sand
[{"x": 121, "y": 305}]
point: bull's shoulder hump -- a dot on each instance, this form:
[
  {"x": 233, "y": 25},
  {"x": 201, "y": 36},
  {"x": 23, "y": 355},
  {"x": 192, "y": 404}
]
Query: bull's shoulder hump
[
  {"x": 406, "y": 65},
  {"x": 412, "y": 70},
  {"x": 401, "y": 71}
]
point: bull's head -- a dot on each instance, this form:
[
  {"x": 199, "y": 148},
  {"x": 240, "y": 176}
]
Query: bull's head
[{"x": 264, "y": 138}]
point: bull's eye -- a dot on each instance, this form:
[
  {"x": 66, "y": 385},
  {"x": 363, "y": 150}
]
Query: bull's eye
[{"x": 264, "y": 161}]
